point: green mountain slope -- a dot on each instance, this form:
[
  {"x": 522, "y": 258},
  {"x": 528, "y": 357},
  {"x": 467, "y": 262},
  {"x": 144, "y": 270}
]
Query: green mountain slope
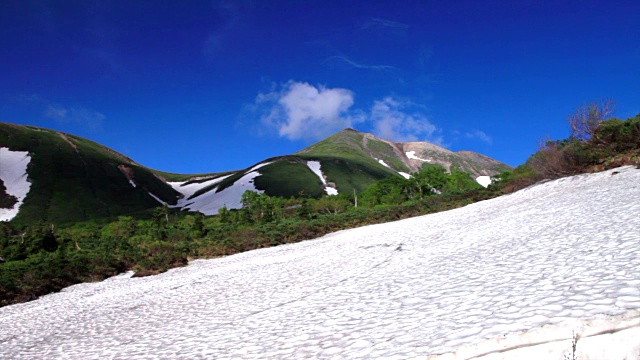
[
  {"x": 406, "y": 157},
  {"x": 75, "y": 179}
]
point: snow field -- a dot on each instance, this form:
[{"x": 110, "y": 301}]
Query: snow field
[
  {"x": 13, "y": 172},
  {"x": 558, "y": 252}
]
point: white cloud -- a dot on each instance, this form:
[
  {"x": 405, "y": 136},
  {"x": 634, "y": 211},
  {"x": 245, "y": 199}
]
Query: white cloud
[
  {"x": 392, "y": 121},
  {"x": 298, "y": 110},
  {"x": 303, "y": 111},
  {"x": 481, "y": 135}
]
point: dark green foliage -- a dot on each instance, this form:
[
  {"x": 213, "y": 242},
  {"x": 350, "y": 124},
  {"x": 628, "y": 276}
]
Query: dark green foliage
[
  {"x": 430, "y": 181},
  {"x": 620, "y": 135},
  {"x": 6, "y": 201}
]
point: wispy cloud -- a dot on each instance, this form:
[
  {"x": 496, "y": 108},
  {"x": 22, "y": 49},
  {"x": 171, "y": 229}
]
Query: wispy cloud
[
  {"x": 357, "y": 65},
  {"x": 303, "y": 111},
  {"x": 75, "y": 115},
  {"x": 480, "y": 135},
  {"x": 401, "y": 121},
  {"x": 384, "y": 23}
]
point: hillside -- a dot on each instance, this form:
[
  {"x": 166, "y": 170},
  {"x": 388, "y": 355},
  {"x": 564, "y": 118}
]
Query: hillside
[
  {"x": 512, "y": 277},
  {"x": 73, "y": 179},
  {"x": 66, "y": 178}
]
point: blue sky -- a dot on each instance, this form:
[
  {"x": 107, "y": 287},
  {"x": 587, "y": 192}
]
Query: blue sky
[{"x": 206, "y": 86}]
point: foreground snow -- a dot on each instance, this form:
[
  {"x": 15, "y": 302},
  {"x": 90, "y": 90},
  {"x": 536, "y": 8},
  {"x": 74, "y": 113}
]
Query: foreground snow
[
  {"x": 555, "y": 254},
  {"x": 13, "y": 173}
]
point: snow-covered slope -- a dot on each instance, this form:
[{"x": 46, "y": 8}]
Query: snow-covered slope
[
  {"x": 13, "y": 172},
  {"x": 556, "y": 254},
  {"x": 211, "y": 201}
]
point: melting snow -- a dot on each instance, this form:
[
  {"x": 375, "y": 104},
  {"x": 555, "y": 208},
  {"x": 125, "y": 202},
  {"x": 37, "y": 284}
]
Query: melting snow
[
  {"x": 157, "y": 198},
  {"x": 412, "y": 155},
  {"x": 189, "y": 189},
  {"x": 484, "y": 180},
  {"x": 384, "y": 163},
  {"x": 13, "y": 172},
  {"x": 210, "y": 202},
  {"x": 315, "y": 167},
  {"x": 404, "y": 175},
  {"x": 554, "y": 255}
]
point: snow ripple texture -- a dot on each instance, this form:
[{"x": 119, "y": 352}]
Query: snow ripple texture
[{"x": 427, "y": 285}]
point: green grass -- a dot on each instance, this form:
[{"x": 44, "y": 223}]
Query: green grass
[
  {"x": 346, "y": 144},
  {"x": 351, "y": 173}
]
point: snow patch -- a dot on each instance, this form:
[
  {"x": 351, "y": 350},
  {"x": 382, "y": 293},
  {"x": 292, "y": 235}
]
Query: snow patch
[
  {"x": 13, "y": 172},
  {"x": 187, "y": 190},
  {"x": 315, "y": 167},
  {"x": 210, "y": 202},
  {"x": 404, "y": 175},
  {"x": 331, "y": 191},
  {"x": 213, "y": 200},
  {"x": 384, "y": 163},
  {"x": 157, "y": 198},
  {"x": 132, "y": 183},
  {"x": 484, "y": 180},
  {"x": 412, "y": 155}
]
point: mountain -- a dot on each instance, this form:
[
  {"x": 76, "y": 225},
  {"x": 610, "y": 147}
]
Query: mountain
[
  {"x": 51, "y": 176},
  {"x": 69, "y": 178},
  {"x": 403, "y": 157}
]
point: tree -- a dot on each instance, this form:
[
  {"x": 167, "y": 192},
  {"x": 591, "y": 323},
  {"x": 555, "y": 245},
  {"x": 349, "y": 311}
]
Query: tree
[
  {"x": 586, "y": 119},
  {"x": 160, "y": 213}
]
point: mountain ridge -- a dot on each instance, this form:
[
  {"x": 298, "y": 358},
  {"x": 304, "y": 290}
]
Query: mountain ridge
[{"x": 74, "y": 178}]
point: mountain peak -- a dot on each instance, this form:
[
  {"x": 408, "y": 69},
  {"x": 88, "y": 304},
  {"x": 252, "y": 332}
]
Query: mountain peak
[{"x": 401, "y": 157}]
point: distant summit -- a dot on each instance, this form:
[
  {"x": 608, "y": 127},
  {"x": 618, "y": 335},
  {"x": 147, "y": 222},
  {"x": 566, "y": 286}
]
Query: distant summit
[{"x": 404, "y": 157}]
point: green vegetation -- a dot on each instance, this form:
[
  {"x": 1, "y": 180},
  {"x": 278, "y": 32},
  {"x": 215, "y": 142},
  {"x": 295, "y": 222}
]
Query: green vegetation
[{"x": 6, "y": 201}]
